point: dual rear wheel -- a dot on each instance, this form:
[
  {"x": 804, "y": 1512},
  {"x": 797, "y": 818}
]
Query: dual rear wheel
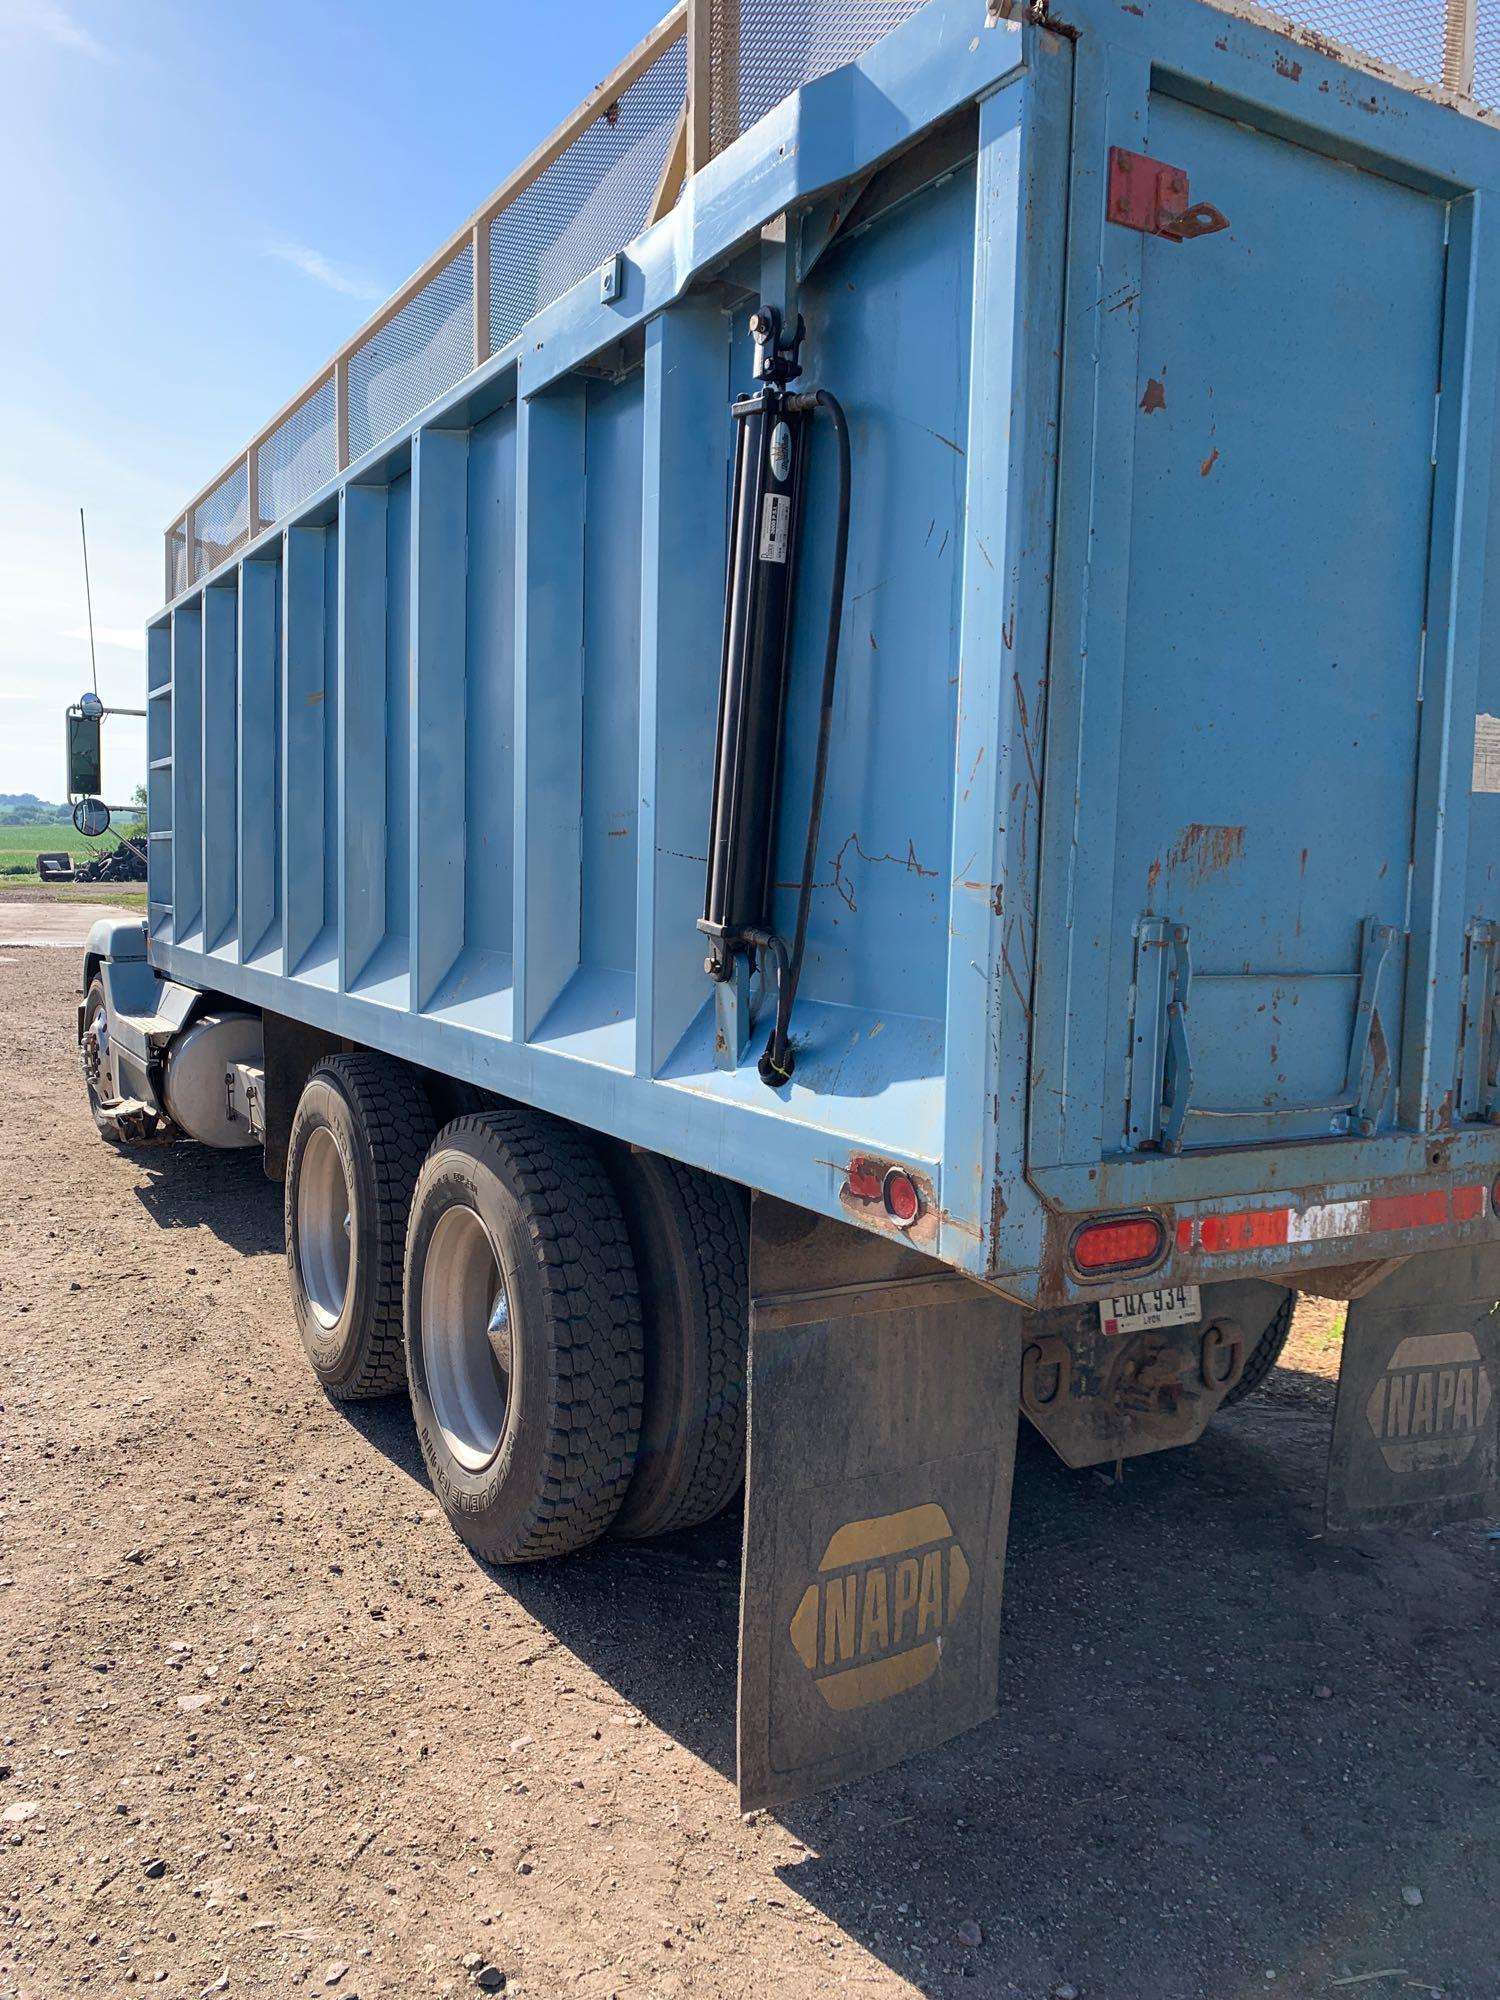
[
  {"x": 570, "y": 1318},
  {"x": 361, "y": 1131}
]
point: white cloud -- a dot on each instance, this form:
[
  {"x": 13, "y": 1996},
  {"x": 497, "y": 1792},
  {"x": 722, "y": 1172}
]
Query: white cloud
[
  {"x": 58, "y": 26},
  {"x": 313, "y": 264}
]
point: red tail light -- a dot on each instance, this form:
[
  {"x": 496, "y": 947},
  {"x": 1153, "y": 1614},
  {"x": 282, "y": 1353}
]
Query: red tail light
[
  {"x": 871, "y": 1185},
  {"x": 901, "y": 1198},
  {"x": 1124, "y": 1243}
]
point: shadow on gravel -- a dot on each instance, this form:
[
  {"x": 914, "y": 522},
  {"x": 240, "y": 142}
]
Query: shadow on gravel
[
  {"x": 226, "y": 1193},
  {"x": 658, "y": 1620},
  {"x": 1225, "y": 1747},
  {"x": 386, "y": 1423}
]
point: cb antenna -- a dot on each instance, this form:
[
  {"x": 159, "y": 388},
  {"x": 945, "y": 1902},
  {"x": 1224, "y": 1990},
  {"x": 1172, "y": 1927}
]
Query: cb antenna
[{"x": 88, "y": 598}]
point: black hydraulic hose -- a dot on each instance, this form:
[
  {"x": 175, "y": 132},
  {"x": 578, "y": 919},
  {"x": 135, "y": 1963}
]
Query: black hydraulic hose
[
  {"x": 775, "y": 949},
  {"x": 777, "y": 1063}
]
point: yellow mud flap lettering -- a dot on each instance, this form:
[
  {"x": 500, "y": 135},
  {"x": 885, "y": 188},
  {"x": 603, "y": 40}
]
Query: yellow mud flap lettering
[
  {"x": 883, "y": 1410},
  {"x": 1415, "y": 1430}
]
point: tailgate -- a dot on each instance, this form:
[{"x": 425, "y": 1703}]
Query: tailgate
[{"x": 1257, "y": 924}]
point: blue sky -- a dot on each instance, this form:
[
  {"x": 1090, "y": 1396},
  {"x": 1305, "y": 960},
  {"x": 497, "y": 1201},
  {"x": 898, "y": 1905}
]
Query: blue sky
[{"x": 198, "y": 203}]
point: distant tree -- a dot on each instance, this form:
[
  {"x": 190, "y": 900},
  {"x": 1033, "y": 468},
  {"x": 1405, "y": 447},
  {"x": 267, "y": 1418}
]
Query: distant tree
[
  {"x": 135, "y": 829},
  {"x": 31, "y": 813}
]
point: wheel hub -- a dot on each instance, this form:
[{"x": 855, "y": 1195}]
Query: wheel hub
[
  {"x": 94, "y": 1051},
  {"x": 325, "y": 1230},
  {"x": 468, "y": 1351}
]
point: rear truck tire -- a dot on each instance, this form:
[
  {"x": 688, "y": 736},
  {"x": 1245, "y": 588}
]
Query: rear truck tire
[
  {"x": 95, "y": 1024},
  {"x": 1264, "y": 1355},
  {"x": 523, "y": 1336},
  {"x": 689, "y": 1233},
  {"x": 362, "y": 1127}
]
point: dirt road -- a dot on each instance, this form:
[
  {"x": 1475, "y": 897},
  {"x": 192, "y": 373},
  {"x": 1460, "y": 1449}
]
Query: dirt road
[
  {"x": 33, "y": 921},
  {"x": 268, "y": 1729}
]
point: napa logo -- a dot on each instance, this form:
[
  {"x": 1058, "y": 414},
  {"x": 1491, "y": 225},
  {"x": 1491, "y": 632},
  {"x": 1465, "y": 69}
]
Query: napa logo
[
  {"x": 1428, "y": 1409},
  {"x": 887, "y": 1592}
]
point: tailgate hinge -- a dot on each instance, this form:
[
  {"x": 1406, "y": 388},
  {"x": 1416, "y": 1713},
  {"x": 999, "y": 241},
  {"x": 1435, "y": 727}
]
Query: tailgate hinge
[
  {"x": 1149, "y": 195},
  {"x": 1479, "y": 1025},
  {"x": 1159, "y": 1088}
]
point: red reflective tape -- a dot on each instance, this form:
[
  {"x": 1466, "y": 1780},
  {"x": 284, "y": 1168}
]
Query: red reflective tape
[
  {"x": 1268, "y": 1228},
  {"x": 1255, "y": 1229},
  {"x": 1409, "y": 1211},
  {"x": 1468, "y": 1203}
]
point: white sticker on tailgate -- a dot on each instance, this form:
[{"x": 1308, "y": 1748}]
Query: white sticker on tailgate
[
  {"x": 1486, "y": 753},
  {"x": 1138, "y": 1312}
]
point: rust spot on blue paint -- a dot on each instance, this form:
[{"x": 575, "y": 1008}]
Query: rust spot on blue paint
[
  {"x": 1206, "y": 849},
  {"x": 841, "y": 882}
]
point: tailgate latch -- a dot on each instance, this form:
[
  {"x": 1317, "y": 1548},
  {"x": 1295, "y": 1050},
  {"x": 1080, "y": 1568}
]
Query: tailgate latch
[{"x": 1149, "y": 195}]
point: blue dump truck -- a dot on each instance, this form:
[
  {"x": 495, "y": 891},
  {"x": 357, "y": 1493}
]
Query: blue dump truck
[{"x": 842, "y": 783}]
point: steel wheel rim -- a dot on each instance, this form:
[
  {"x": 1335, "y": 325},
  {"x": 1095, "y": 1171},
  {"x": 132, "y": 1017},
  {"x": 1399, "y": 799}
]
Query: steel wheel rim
[
  {"x": 325, "y": 1227},
  {"x": 96, "y": 1032},
  {"x": 468, "y": 1358}
]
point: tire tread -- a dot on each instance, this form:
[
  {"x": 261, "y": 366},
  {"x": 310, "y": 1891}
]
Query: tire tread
[
  {"x": 578, "y": 1237},
  {"x": 391, "y": 1106},
  {"x": 1265, "y": 1353},
  {"x": 712, "y": 1222}
]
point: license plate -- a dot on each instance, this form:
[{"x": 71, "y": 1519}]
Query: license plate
[{"x": 1138, "y": 1312}]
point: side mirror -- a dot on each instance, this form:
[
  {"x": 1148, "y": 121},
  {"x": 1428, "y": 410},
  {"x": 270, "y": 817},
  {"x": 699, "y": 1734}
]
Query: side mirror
[
  {"x": 91, "y": 817},
  {"x": 85, "y": 779}
]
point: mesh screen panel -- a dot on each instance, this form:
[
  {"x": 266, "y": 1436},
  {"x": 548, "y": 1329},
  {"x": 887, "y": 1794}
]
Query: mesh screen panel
[
  {"x": 415, "y": 356},
  {"x": 783, "y": 44},
  {"x": 1487, "y": 55},
  {"x": 1394, "y": 31},
  {"x": 298, "y": 457},
  {"x": 589, "y": 203},
  {"x": 221, "y": 521},
  {"x": 177, "y": 561}
]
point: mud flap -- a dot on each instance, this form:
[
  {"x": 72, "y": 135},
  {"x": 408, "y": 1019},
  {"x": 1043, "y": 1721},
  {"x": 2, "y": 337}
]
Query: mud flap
[
  {"x": 1415, "y": 1429},
  {"x": 882, "y": 1433}
]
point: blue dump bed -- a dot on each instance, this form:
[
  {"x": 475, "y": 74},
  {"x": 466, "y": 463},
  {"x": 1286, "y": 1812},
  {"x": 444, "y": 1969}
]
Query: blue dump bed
[{"x": 1156, "y": 868}]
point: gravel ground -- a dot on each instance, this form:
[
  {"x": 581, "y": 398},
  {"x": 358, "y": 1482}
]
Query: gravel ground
[
  {"x": 268, "y": 1728},
  {"x": 30, "y": 920}
]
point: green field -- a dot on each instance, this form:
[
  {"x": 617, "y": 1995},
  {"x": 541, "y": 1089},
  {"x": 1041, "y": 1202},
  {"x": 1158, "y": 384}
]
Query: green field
[{"x": 20, "y": 846}]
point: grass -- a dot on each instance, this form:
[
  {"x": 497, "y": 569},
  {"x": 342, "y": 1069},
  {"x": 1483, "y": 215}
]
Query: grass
[
  {"x": 20, "y": 846},
  {"x": 1329, "y": 1339},
  {"x": 115, "y": 894}
]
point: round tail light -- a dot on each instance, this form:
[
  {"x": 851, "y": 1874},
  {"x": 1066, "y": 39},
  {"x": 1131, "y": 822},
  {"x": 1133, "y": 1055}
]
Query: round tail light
[{"x": 902, "y": 1202}]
